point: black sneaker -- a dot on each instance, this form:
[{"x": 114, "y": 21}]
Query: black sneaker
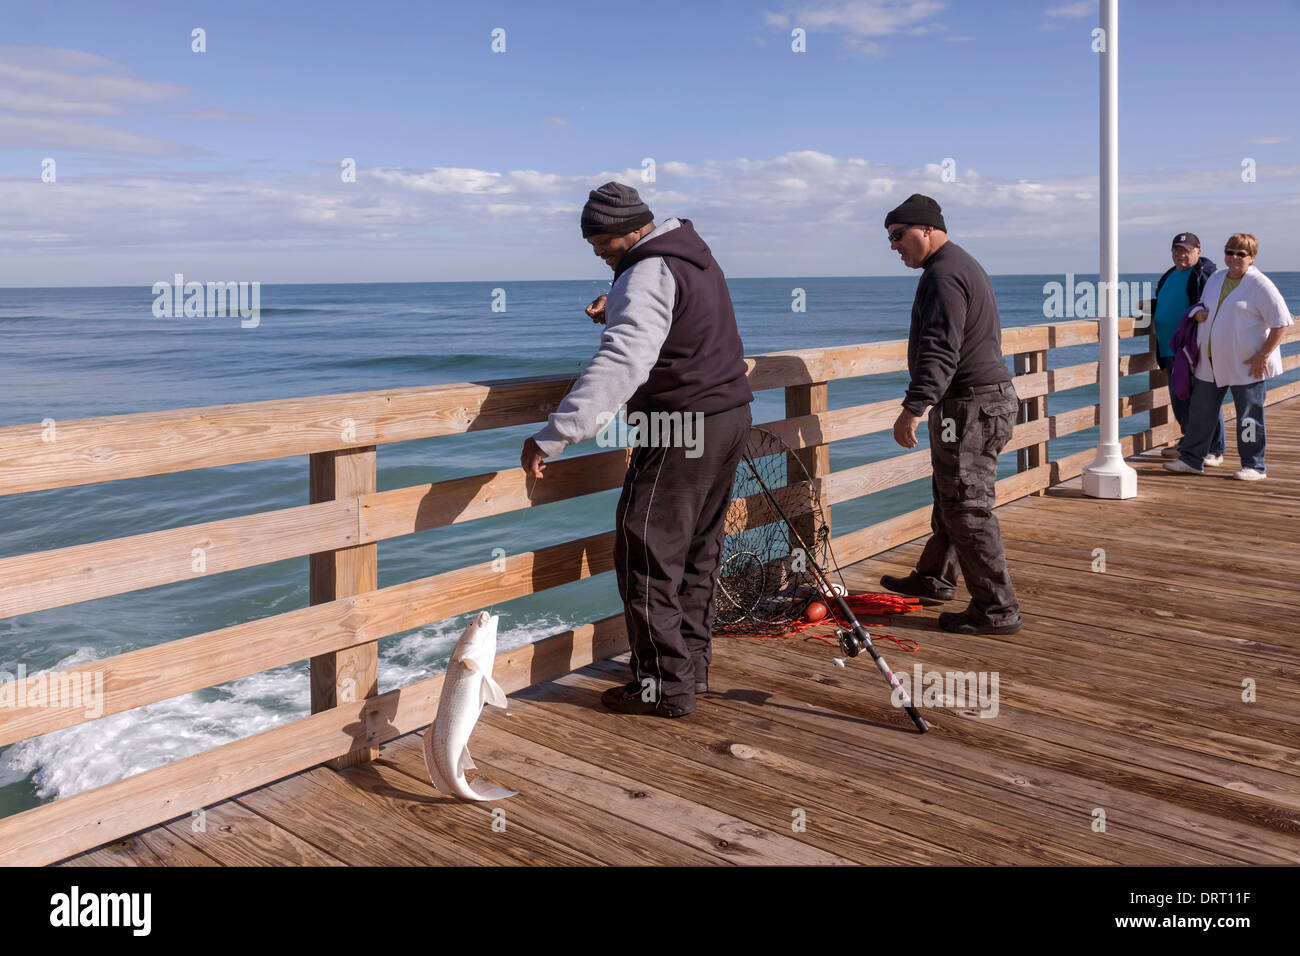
[
  {"x": 701, "y": 687},
  {"x": 915, "y": 587},
  {"x": 964, "y": 622},
  {"x": 627, "y": 700}
]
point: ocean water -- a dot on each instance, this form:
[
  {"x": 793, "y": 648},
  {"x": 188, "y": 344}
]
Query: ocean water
[{"x": 77, "y": 353}]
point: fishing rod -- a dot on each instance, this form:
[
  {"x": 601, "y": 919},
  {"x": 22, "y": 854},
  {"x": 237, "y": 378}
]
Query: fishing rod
[{"x": 854, "y": 640}]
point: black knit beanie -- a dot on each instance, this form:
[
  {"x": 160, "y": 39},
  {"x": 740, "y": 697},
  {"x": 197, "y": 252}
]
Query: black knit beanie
[
  {"x": 917, "y": 210},
  {"x": 616, "y": 209}
]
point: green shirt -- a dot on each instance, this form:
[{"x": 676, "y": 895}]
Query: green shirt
[{"x": 1228, "y": 286}]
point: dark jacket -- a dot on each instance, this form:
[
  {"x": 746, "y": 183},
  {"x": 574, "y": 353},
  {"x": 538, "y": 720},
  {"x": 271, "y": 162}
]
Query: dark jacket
[
  {"x": 701, "y": 367},
  {"x": 1198, "y": 274},
  {"x": 956, "y": 336}
]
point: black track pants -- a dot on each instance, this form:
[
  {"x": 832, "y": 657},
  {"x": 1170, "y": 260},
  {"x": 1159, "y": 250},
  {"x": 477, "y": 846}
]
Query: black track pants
[{"x": 668, "y": 539}]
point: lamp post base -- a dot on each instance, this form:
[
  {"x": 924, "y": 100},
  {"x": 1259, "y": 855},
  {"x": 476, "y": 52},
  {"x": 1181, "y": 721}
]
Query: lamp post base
[{"x": 1109, "y": 476}]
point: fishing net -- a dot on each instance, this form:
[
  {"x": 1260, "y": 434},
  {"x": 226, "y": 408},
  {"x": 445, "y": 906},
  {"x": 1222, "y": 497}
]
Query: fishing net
[{"x": 766, "y": 577}]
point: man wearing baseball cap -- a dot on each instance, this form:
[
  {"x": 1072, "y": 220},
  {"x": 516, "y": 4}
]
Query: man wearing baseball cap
[
  {"x": 1181, "y": 286},
  {"x": 670, "y": 347},
  {"x": 954, "y": 357}
]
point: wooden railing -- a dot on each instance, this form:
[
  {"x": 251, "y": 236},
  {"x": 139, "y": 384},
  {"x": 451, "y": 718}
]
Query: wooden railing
[{"x": 340, "y": 529}]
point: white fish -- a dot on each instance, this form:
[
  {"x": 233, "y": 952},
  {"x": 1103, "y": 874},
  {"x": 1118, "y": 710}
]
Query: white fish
[{"x": 467, "y": 686}]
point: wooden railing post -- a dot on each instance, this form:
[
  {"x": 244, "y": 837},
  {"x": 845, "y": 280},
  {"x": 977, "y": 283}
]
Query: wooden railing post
[
  {"x": 1032, "y": 410},
  {"x": 808, "y": 400},
  {"x": 350, "y": 674}
]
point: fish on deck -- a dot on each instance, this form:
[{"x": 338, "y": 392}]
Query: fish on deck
[{"x": 466, "y": 688}]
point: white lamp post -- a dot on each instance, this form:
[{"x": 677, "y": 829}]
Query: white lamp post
[{"x": 1109, "y": 476}]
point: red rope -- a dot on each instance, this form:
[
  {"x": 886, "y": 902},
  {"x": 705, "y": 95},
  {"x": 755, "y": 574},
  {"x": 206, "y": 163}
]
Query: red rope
[{"x": 869, "y": 605}]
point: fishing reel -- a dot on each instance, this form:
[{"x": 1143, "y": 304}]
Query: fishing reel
[{"x": 850, "y": 644}]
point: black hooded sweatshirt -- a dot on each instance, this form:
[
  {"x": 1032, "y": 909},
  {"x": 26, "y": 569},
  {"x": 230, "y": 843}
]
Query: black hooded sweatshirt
[{"x": 701, "y": 366}]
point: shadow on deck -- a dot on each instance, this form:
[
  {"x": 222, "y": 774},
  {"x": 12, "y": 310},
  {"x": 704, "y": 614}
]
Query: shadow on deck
[{"x": 1122, "y": 696}]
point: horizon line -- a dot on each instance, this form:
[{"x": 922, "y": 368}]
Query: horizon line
[{"x": 1013, "y": 275}]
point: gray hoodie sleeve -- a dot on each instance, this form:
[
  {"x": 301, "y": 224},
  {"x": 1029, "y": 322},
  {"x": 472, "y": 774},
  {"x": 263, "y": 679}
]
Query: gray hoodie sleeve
[{"x": 638, "y": 315}]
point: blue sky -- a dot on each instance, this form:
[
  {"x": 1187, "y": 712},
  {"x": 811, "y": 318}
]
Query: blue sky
[{"x": 474, "y": 165}]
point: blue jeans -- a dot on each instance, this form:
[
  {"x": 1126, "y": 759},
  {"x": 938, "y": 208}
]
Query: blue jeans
[
  {"x": 1181, "y": 405},
  {"x": 1206, "y": 402}
]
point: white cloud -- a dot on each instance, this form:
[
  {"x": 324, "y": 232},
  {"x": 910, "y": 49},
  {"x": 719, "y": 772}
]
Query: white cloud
[
  {"x": 34, "y": 132},
  {"x": 805, "y": 212},
  {"x": 1268, "y": 140},
  {"x": 855, "y": 21},
  {"x": 1072, "y": 11},
  {"x": 74, "y": 83},
  {"x": 68, "y": 100},
  {"x": 215, "y": 116},
  {"x": 444, "y": 181},
  {"x": 867, "y": 17}
]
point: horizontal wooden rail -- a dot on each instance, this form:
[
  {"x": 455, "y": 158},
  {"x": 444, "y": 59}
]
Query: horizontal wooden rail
[
  {"x": 884, "y": 535},
  {"x": 156, "y": 673},
  {"x": 84, "y": 451},
  {"x": 43, "y": 580}
]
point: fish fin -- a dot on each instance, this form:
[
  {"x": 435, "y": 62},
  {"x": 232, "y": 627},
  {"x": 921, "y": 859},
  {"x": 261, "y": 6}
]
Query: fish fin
[
  {"x": 466, "y": 762},
  {"x": 485, "y": 791},
  {"x": 470, "y": 664},
  {"x": 492, "y": 692}
]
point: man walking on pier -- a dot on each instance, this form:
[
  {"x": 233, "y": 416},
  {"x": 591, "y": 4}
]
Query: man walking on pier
[
  {"x": 954, "y": 357},
  {"x": 671, "y": 350}
]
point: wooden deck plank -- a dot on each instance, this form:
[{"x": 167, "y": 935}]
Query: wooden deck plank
[
  {"x": 768, "y": 800},
  {"x": 972, "y": 752},
  {"x": 1135, "y": 563},
  {"x": 234, "y": 835},
  {"x": 809, "y": 770},
  {"x": 731, "y": 838},
  {"x": 1039, "y": 805},
  {"x": 1155, "y": 708},
  {"x": 1040, "y": 594},
  {"x": 570, "y": 819},
  {"x": 1116, "y": 599},
  {"x": 346, "y": 825},
  {"x": 1117, "y": 653},
  {"x": 383, "y": 817},
  {"x": 156, "y": 846},
  {"x": 1268, "y": 799}
]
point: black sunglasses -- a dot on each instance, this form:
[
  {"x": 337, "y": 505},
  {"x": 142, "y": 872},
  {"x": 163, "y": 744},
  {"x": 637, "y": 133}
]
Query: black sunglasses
[
  {"x": 1234, "y": 253},
  {"x": 898, "y": 233}
]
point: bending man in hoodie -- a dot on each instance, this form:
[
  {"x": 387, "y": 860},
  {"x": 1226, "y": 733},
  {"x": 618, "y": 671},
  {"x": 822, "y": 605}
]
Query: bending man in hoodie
[{"x": 672, "y": 352}]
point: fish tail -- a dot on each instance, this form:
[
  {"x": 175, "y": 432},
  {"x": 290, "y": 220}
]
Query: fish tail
[{"x": 485, "y": 791}]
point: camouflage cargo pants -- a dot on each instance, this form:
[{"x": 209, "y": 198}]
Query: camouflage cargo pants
[{"x": 967, "y": 431}]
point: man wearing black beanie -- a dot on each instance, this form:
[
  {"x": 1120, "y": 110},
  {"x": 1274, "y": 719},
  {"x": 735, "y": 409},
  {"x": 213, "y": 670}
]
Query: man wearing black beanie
[
  {"x": 954, "y": 357},
  {"x": 672, "y": 352}
]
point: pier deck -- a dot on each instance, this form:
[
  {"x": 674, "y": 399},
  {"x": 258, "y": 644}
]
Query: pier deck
[{"x": 1121, "y": 696}]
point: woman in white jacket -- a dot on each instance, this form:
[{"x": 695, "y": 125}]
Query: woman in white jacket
[{"x": 1243, "y": 318}]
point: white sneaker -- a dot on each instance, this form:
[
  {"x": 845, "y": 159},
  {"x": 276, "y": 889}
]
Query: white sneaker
[
  {"x": 1170, "y": 452},
  {"x": 1213, "y": 460},
  {"x": 1250, "y": 474},
  {"x": 1181, "y": 467}
]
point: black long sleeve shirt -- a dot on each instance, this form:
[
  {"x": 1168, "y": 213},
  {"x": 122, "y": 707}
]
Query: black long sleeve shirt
[{"x": 956, "y": 336}]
